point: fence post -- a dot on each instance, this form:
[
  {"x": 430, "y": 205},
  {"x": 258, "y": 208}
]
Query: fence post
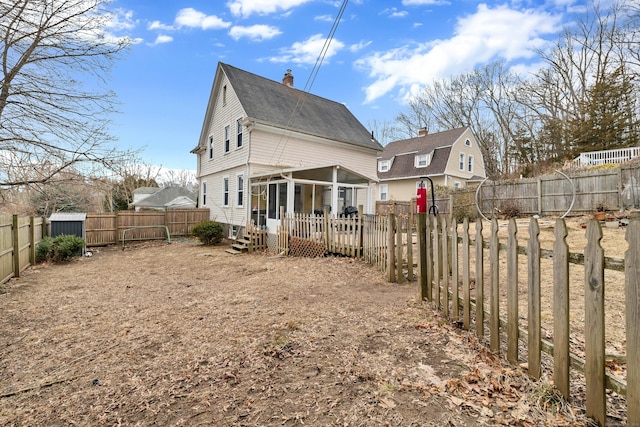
[
  {"x": 594, "y": 323},
  {"x": 632, "y": 298},
  {"x": 494, "y": 316},
  {"x": 533, "y": 312},
  {"x": 512, "y": 293},
  {"x": 539, "y": 189},
  {"x": 436, "y": 261},
  {"x": 561, "y": 309},
  {"x": 32, "y": 240},
  {"x": 399, "y": 224},
  {"x": 454, "y": 269},
  {"x": 466, "y": 279},
  {"x": 391, "y": 252},
  {"x": 445, "y": 267},
  {"x": 421, "y": 225},
  {"x": 16, "y": 245},
  {"x": 479, "y": 279}
]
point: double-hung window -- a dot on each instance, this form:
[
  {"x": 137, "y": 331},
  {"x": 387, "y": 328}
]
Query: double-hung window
[
  {"x": 204, "y": 194},
  {"x": 461, "y": 163},
  {"x": 384, "y": 192},
  {"x": 422, "y": 160},
  {"x": 239, "y": 134},
  {"x": 227, "y": 146},
  {"x": 383, "y": 166},
  {"x": 210, "y": 147},
  {"x": 240, "y": 190},
  {"x": 225, "y": 191},
  {"x": 470, "y": 164}
]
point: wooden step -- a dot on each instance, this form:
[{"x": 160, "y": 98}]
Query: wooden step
[{"x": 233, "y": 251}]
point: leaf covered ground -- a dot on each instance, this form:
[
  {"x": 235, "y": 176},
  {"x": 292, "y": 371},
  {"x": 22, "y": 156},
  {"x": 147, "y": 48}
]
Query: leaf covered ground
[{"x": 183, "y": 334}]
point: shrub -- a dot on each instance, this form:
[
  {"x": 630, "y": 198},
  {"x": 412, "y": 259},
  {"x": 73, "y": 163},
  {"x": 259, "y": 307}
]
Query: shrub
[
  {"x": 43, "y": 249},
  {"x": 60, "y": 248},
  {"x": 208, "y": 232},
  {"x": 510, "y": 209},
  {"x": 464, "y": 206}
]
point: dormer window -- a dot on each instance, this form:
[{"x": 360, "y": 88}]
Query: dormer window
[
  {"x": 422, "y": 160},
  {"x": 383, "y": 165}
]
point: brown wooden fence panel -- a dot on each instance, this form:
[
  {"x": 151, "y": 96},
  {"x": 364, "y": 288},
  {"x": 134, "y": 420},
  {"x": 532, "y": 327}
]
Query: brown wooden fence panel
[
  {"x": 6, "y": 248},
  {"x": 632, "y": 296},
  {"x": 101, "y": 229}
]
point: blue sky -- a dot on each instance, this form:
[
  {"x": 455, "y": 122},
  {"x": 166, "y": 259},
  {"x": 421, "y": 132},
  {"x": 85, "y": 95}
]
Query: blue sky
[{"x": 383, "y": 51}]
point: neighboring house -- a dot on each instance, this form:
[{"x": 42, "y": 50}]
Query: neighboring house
[
  {"x": 450, "y": 158},
  {"x": 265, "y": 145},
  {"x": 164, "y": 198}
]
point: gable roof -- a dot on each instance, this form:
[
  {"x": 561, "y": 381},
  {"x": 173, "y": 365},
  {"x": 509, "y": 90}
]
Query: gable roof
[
  {"x": 165, "y": 196},
  {"x": 285, "y": 107},
  {"x": 403, "y": 154}
]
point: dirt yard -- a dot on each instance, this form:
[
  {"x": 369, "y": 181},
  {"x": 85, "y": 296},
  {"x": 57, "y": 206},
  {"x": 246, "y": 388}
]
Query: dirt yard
[{"x": 183, "y": 334}]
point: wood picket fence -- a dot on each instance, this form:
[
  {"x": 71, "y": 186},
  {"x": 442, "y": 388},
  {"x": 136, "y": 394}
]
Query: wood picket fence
[{"x": 443, "y": 254}]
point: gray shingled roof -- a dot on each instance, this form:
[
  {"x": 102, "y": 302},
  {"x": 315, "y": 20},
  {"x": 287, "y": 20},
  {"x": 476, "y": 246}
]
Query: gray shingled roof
[
  {"x": 403, "y": 154},
  {"x": 275, "y": 103},
  {"x": 165, "y": 195}
]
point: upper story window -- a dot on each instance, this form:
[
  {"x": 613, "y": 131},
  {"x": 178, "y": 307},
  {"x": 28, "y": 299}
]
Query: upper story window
[
  {"x": 383, "y": 165},
  {"x": 240, "y": 190},
  {"x": 470, "y": 164},
  {"x": 239, "y": 133},
  {"x": 384, "y": 191},
  {"x": 224, "y": 95},
  {"x": 226, "y": 139},
  {"x": 461, "y": 164},
  {"x": 467, "y": 143},
  {"x": 211, "y": 147},
  {"x": 422, "y": 160}
]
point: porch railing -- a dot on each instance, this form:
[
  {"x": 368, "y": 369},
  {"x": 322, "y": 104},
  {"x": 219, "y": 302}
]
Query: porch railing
[{"x": 619, "y": 155}]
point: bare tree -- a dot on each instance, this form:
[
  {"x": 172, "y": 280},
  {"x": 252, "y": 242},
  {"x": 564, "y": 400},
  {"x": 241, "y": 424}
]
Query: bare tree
[{"x": 55, "y": 56}]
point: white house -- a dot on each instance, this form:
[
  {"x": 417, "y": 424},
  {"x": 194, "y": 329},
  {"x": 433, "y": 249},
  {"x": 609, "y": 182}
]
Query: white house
[{"x": 266, "y": 145}]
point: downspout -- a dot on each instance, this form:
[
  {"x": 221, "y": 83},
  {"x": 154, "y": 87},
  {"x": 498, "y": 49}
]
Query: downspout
[{"x": 334, "y": 191}]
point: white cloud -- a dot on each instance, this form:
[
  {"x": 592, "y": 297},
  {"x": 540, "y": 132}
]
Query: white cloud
[
  {"x": 323, "y": 18},
  {"x": 487, "y": 34},
  {"x": 192, "y": 18},
  {"x": 161, "y": 39},
  {"x": 307, "y": 52},
  {"x": 157, "y": 25},
  {"x": 121, "y": 19},
  {"x": 261, "y": 7},
  {"x": 425, "y": 2},
  {"x": 359, "y": 46},
  {"x": 254, "y": 32}
]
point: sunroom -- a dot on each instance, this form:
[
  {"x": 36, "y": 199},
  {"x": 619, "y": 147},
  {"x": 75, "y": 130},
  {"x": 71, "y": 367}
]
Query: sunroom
[{"x": 311, "y": 190}]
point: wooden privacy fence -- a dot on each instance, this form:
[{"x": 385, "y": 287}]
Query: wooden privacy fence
[
  {"x": 107, "y": 229},
  {"x": 19, "y": 236},
  {"x": 444, "y": 254}
]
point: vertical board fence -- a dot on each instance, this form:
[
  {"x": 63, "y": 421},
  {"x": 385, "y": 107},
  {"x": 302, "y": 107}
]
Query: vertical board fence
[
  {"x": 107, "y": 229},
  {"x": 19, "y": 236},
  {"x": 521, "y": 321}
]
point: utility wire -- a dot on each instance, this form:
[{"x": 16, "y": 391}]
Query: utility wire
[{"x": 311, "y": 79}]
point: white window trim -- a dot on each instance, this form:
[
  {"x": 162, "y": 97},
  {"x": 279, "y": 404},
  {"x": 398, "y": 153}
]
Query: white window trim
[
  {"x": 456, "y": 184},
  {"x": 227, "y": 138},
  {"x": 210, "y": 147},
  {"x": 427, "y": 158},
  {"x": 203, "y": 187},
  {"x": 467, "y": 143},
  {"x": 461, "y": 161},
  {"x": 240, "y": 188},
  {"x": 470, "y": 163},
  {"x": 225, "y": 192},
  {"x": 384, "y": 187},
  {"x": 387, "y": 163},
  {"x": 239, "y": 133}
]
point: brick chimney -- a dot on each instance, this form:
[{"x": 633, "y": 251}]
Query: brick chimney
[
  {"x": 423, "y": 132},
  {"x": 287, "y": 80}
]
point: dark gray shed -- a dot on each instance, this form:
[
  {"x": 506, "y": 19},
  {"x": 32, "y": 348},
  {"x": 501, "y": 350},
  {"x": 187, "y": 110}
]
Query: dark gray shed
[{"x": 73, "y": 224}]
